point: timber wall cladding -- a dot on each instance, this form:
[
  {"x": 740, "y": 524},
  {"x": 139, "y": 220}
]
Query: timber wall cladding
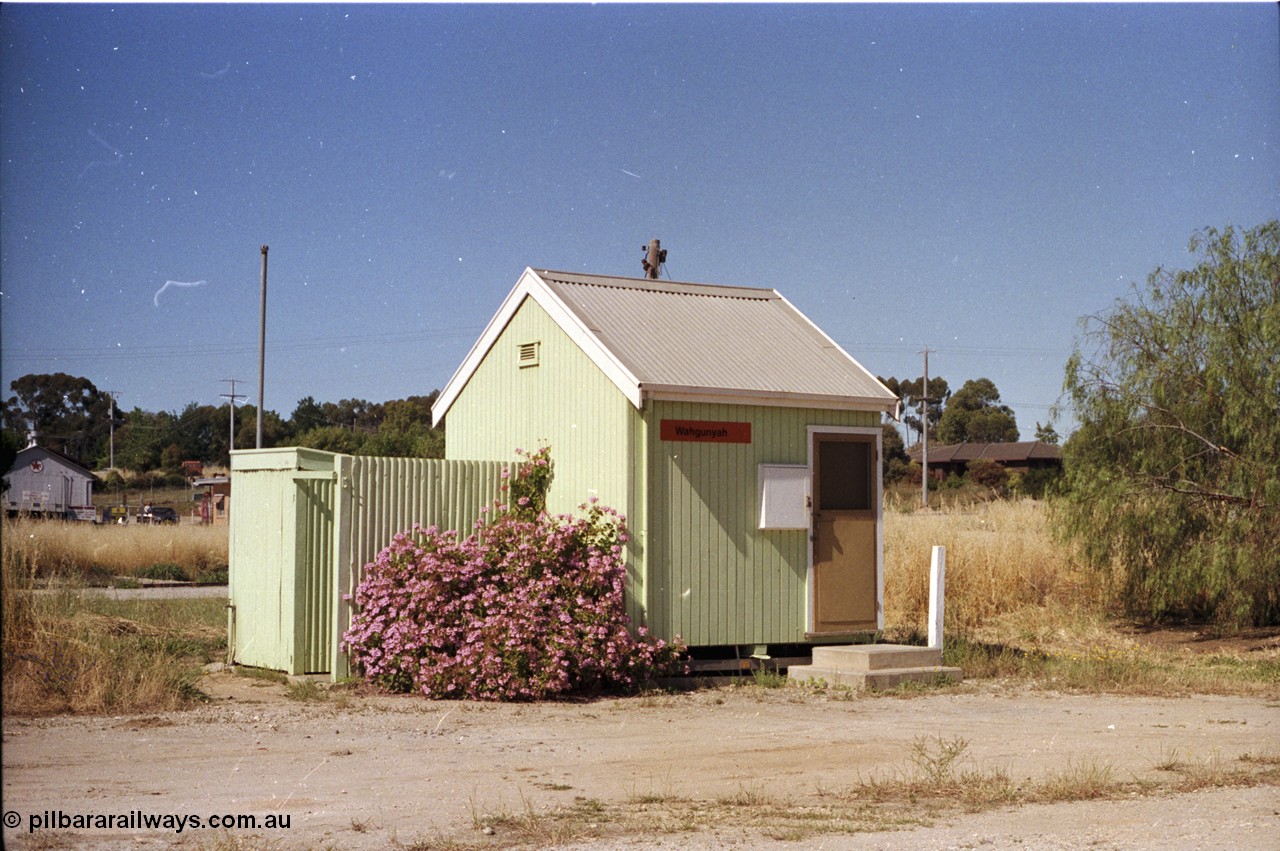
[{"x": 712, "y": 576}]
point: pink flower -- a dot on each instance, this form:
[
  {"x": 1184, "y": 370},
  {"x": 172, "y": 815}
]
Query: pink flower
[{"x": 527, "y": 607}]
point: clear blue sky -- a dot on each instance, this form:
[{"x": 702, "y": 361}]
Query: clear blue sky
[{"x": 971, "y": 178}]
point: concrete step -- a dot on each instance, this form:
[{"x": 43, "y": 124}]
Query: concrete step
[
  {"x": 883, "y": 678},
  {"x": 875, "y": 657}
]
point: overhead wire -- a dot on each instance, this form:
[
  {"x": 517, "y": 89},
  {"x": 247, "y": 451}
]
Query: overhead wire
[{"x": 121, "y": 353}]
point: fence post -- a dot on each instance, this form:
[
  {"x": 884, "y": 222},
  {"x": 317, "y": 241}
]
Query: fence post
[
  {"x": 343, "y": 567},
  {"x": 937, "y": 581}
]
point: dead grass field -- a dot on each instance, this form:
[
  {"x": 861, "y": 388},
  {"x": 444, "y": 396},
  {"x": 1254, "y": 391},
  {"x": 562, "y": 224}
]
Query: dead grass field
[
  {"x": 1000, "y": 561},
  {"x": 1018, "y": 606},
  {"x": 69, "y": 652},
  {"x": 94, "y": 553}
]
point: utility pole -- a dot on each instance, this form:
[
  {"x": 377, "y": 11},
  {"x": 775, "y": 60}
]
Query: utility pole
[
  {"x": 924, "y": 430},
  {"x": 654, "y": 257},
  {"x": 111, "y": 394},
  {"x": 262, "y": 343},
  {"x": 231, "y": 445}
]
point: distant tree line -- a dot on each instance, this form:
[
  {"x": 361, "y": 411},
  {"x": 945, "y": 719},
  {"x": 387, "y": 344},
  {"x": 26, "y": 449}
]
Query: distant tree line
[
  {"x": 70, "y": 415},
  {"x": 973, "y": 414}
]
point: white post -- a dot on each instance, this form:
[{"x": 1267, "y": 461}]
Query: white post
[{"x": 937, "y": 581}]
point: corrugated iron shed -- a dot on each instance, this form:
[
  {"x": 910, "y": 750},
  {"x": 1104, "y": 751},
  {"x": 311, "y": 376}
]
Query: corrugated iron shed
[
  {"x": 678, "y": 404},
  {"x": 43, "y": 481}
]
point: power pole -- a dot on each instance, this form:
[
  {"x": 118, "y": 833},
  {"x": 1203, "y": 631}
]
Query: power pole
[
  {"x": 654, "y": 257},
  {"x": 262, "y": 343},
  {"x": 111, "y": 394},
  {"x": 231, "y": 445},
  {"x": 924, "y": 430}
]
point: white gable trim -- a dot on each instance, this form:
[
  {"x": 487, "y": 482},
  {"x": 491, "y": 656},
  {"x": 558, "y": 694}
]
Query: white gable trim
[
  {"x": 889, "y": 403},
  {"x": 532, "y": 286}
]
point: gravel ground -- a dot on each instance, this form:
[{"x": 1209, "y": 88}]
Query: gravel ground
[
  {"x": 361, "y": 772},
  {"x": 151, "y": 592}
]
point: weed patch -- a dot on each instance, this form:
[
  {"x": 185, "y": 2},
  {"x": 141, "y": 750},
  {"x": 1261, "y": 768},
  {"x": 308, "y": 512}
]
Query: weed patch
[
  {"x": 164, "y": 571},
  {"x": 306, "y": 691}
]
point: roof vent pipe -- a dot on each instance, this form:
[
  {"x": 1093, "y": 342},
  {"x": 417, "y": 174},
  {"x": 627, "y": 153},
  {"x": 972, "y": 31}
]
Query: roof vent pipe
[{"x": 654, "y": 257}]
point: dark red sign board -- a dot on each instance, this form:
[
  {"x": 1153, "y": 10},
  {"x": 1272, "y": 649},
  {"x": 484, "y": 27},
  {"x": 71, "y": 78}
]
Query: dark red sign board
[{"x": 705, "y": 431}]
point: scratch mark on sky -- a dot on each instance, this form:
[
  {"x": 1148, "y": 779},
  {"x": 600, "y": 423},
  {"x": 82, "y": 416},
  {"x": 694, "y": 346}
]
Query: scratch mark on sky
[
  {"x": 115, "y": 152},
  {"x": 167, "y": 284},
  {"x": 103, "y": 142},
  {"x": 216, "y": 74}
]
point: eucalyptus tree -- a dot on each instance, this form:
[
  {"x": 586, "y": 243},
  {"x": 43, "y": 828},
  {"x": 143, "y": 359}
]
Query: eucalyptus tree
[{"x": 974, "y": 414}]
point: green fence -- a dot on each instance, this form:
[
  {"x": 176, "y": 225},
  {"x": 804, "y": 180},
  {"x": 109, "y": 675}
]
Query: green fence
[{"x": 304, "y": 523}]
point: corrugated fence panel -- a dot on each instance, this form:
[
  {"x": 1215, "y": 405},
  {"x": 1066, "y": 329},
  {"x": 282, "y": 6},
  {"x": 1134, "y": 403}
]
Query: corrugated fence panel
[
  {"x": 390, "y": 495},
  {"x": 387, "y": 496},
  {"x": 305, "y": 523},
  {"x": 314, "y": 627}
]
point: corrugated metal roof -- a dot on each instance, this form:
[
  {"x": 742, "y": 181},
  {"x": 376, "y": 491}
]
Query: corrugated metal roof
[{"x": 699, "y": 338}]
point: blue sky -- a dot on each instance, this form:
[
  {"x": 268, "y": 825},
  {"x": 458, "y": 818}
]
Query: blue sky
[{"x": 967, "y": 177}]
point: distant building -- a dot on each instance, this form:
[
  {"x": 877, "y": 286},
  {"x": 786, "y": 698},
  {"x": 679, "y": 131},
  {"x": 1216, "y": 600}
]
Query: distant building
[
  {"x": 215, "y": 500},
  {"x": 1023, "y": 457},
  {"x": 48, "y": 484}
]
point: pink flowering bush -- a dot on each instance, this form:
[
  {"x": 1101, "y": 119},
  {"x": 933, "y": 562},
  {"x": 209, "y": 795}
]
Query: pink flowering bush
[
  {"x": 526, "y": 608},
  {"x": 528, "y": 483}
]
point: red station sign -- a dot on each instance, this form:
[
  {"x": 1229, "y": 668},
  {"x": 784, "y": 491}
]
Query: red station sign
[{"x": 705, "y": 431}]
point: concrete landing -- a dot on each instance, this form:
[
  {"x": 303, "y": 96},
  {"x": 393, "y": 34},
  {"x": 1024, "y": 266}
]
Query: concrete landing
[{"x": 877, "y": 666}]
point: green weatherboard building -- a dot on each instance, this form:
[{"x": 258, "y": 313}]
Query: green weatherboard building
[{"x": 740, "y": 441}]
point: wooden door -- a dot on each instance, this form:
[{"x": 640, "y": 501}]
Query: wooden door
[{"x": 844, "y": 533}]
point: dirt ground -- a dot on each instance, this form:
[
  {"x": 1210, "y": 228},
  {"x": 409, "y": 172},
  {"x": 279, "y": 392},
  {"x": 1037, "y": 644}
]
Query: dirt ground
[{"x": 692, "y": 769}]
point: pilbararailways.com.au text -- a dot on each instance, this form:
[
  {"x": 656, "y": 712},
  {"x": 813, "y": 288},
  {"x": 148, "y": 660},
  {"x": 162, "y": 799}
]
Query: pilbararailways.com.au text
[{"x": 139, "y": 820}]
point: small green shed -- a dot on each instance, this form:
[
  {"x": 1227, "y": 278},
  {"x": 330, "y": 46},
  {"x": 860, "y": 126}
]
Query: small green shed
[
  {"x": 740, "y": 441},
  {"x": 303, "y": 525}
]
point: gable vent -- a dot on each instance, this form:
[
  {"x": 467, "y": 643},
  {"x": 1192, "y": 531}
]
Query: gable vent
[{"x": 529, "y": 353}]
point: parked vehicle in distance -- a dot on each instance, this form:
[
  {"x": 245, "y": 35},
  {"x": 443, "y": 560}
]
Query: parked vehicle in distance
[{"x": 157, "y": 514}]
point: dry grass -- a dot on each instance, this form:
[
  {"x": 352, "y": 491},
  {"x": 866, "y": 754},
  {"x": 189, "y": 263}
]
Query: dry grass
[
  {"x": 1000, "y": 560},
  {"x": 68, "y": 652},
  {"x": 46, "y": 548},
  {"x": 1018, "y": 606},
  {"x": 938, "y": 779}
]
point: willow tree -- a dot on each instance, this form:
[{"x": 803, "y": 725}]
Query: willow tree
[{"x": 1174, "y": 473}]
